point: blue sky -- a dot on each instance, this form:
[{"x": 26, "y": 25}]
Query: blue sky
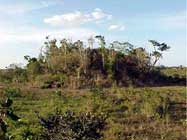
[{"x": 24, "y": 25}]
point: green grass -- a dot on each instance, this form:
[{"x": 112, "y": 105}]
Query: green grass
[{"x": 131, "y": 111}]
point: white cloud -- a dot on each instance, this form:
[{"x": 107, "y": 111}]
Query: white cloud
[
  {"x": 26, "y": 6},
  {"x": 73, "y": 33},
  {"x": 98, "y": 14},
  {"x": 77, "y": 18},
  {"x": 29, "y": 34},
  {"x": 116, "y": 27}
]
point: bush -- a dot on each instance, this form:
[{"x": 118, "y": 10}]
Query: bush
[
  {"x": 12, "y": 92},
  {"x": 85, "y": 126},
  {"x": 50, "y": 81},
  {"x": 26, "y": 132}
]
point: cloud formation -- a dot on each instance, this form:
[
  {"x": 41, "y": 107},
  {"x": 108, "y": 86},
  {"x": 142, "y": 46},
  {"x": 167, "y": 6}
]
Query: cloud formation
[
  {"x": 77, "y": 18},
  {"x": 116, "y": 27},
  {"x": 26, "y": 6},
  {"x": 31, "y": 34}
]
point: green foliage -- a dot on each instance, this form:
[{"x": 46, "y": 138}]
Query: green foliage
[
  {"x": 137, "y": 112},
  {"x": 176, "y": 72},
  {"x": 33, "y": 67},
  {"x": 16, "y": 74},
  {"x": 12, "y": 92},
  {"x": 159, "y": 48},
  {"x": 6, "y": 112},
  {"x": 78, "y": 63},
  {"x": 26, "y": 132},
  {"x": 68, "y": 63}
]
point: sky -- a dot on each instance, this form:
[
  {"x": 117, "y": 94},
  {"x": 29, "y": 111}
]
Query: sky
[{"x": 24, "y": 24}]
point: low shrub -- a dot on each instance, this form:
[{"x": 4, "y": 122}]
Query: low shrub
[
  {"x": 85, "y": 126},
  {"x": 50, "y": 81},
  {"x": 12, "y": 92}
]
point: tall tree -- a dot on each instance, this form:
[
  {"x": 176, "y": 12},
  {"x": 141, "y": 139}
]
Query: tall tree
[
  {"x": 159, "y": 48},
  {"x": 102, "y": 45},
  {"x": 33, "y": 67},
  {"x": 64, "y": 47},
  {"x": 123, "y": 47}
]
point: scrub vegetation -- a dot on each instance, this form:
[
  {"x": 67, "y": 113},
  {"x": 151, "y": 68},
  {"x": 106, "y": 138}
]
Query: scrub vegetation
[{"x": 78, "y": 92}]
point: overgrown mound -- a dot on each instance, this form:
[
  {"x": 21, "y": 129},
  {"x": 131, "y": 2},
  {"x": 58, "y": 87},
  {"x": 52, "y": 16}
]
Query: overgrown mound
[{"x": 71, "y": 64}]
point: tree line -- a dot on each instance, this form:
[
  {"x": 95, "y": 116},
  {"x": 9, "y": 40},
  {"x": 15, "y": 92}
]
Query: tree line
[{"x": 65, "y": 63}]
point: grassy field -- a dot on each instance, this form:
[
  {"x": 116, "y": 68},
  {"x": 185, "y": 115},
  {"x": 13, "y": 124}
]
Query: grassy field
[{"x": 133, "y": 113}]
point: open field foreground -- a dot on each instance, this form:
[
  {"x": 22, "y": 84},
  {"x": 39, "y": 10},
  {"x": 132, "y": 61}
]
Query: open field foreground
[
  {"x": 93, "y": 70},
  {"x": 157, "y": 113}
]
